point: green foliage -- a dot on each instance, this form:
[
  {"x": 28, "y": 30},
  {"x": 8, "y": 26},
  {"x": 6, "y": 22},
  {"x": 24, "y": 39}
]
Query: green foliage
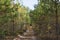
[
  {"x": 44, "y": 15},
  {"x": 12, "y": 15}
]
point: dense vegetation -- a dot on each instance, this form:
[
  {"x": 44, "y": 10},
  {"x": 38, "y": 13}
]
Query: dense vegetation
[
  {"x": 12, "y": 16},
  {"x": 44, "y": 18}
]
